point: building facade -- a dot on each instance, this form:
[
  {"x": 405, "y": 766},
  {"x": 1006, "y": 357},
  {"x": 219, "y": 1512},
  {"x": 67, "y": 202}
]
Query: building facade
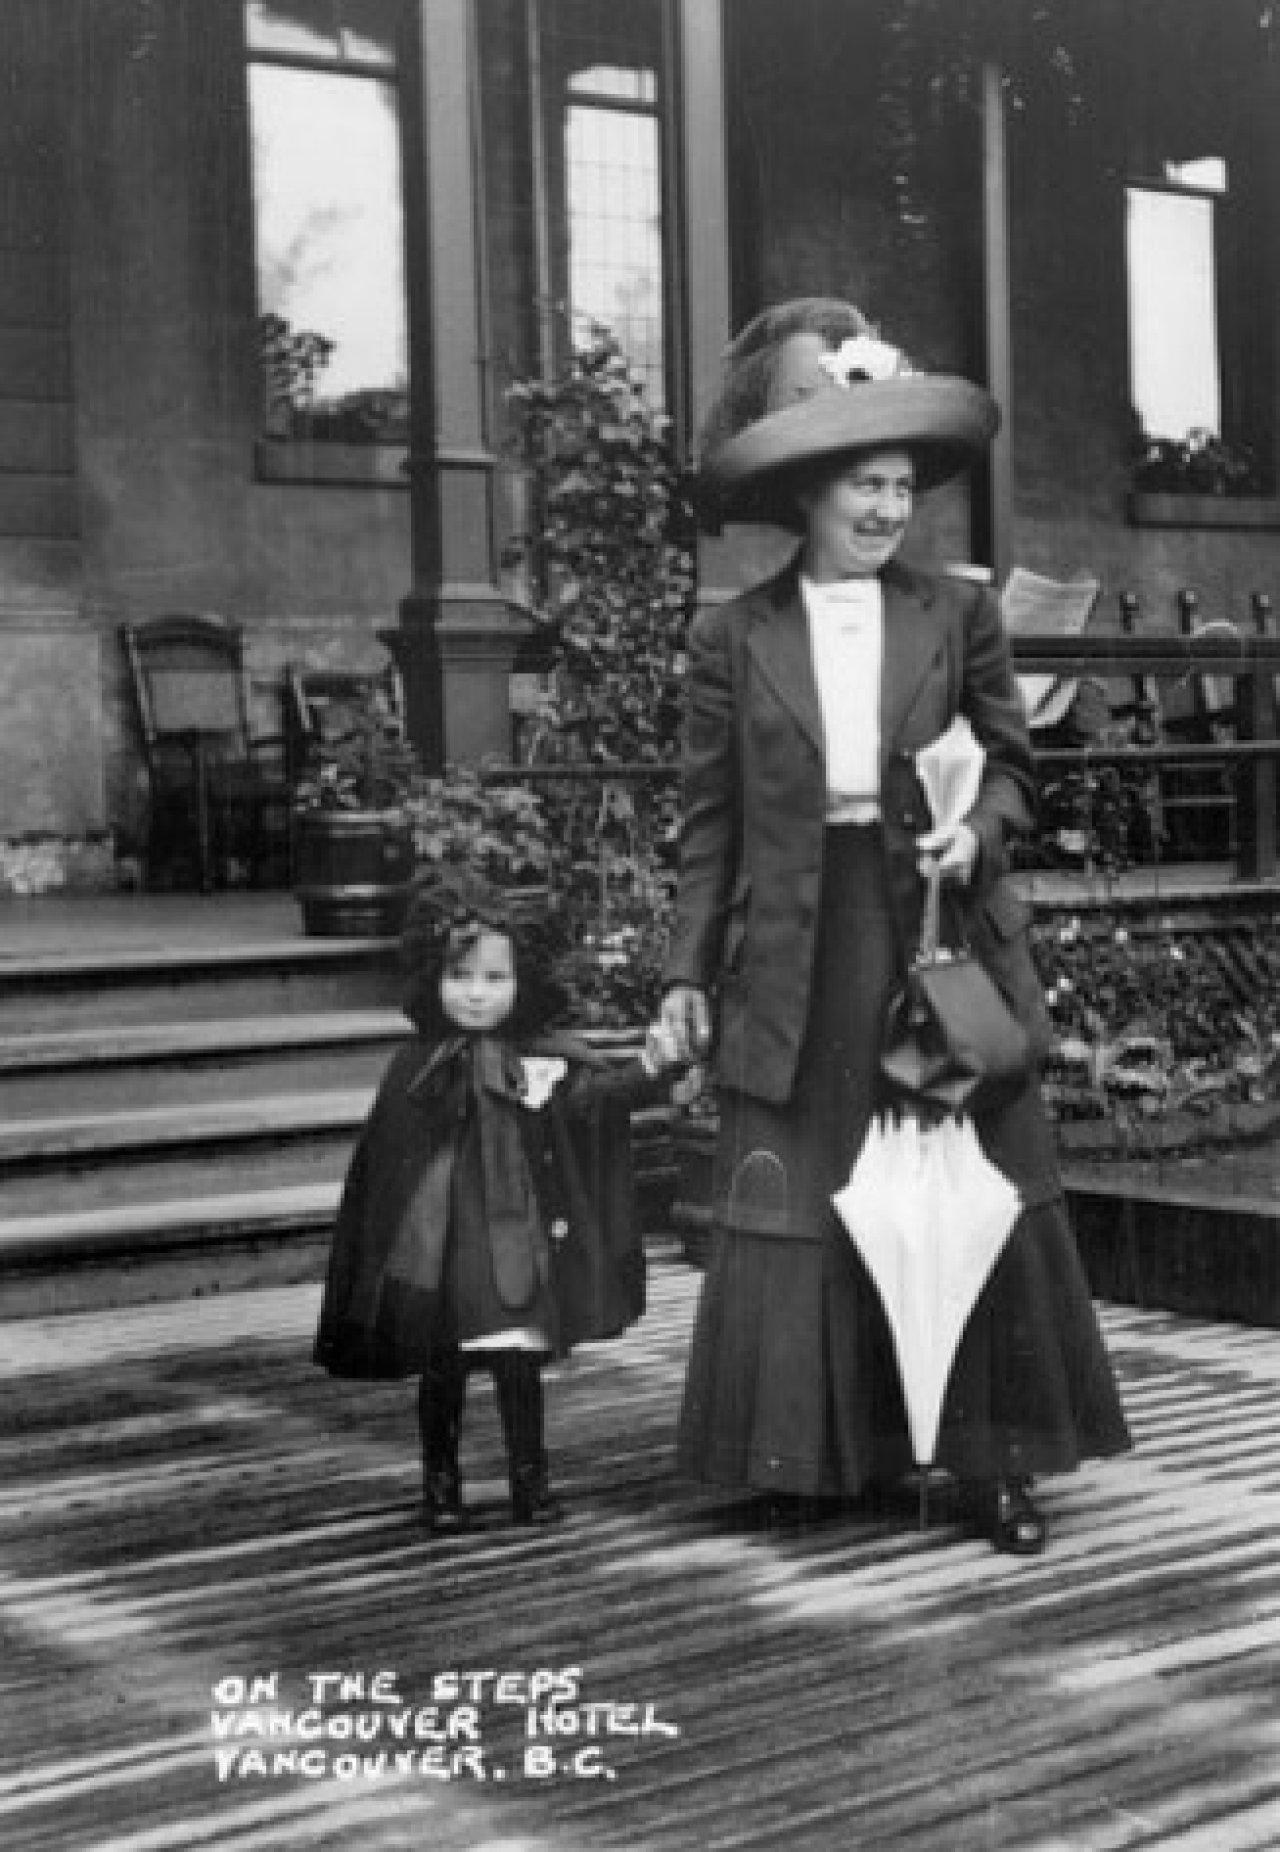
[{"x": 270, "y": 265}]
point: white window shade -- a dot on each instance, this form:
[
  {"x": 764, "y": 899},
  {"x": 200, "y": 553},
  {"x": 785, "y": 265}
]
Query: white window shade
[{"x": 1173, "y": 312}]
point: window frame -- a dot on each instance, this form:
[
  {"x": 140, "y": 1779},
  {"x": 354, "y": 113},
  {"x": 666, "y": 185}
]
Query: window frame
[
  {"x": 1247, "y": 269},
  {"x": 553, "y": 95},
  {"x": 378, "y": 463},
  {"x": 1171, "y": 189}
]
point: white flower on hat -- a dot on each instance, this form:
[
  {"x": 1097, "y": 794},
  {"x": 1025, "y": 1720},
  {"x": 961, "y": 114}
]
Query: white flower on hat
[{"x": 864, "y": 357}]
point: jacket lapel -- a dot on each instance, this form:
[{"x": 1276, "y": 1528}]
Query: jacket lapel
[
  {"x": 778, "y": 642},
  {"x": 913, "y": 635}
]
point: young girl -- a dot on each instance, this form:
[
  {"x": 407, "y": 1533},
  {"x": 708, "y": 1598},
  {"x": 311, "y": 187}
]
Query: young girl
[{"x": 487, "y": 1218}]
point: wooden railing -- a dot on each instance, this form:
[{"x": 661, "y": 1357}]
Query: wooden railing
[{"x": 1250, "y": 661}]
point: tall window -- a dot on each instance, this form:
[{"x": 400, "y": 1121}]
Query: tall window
[
  {"x": 328, "y": 212},
  {"x": 1200, "y": 250},
  {"x": 602, "y": 109},
  {"x": 1172, "y": 245}
]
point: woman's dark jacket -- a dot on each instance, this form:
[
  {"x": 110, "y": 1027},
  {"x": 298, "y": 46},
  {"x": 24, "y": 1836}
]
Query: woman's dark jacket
[
  {"x": 753, "y": 824},
  {"x": 578, "y": 1152}
]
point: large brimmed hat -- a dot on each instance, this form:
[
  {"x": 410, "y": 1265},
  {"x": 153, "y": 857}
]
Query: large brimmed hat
[{"x": 811, "y": 379}]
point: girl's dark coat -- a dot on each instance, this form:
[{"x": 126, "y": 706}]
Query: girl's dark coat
[{"x": 579, "y": 1153}]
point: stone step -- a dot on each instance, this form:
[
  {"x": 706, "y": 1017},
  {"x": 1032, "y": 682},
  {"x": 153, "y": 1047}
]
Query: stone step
[
  {"x": 54, "y": 1262},
  {"x": 197, "y": 981},
  {"x": 180, "y": 1093},
  {"x": 33, "y": 1240},
  {"x": 118, "y": 1233},
  {"x": 181, "y": 1084},
  {"x": 44, "y": 1074},
  {"x": 199, "y": 1241},
  {"x": 83, "y": 1162}
]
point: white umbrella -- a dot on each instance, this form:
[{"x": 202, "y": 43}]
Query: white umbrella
[{"x": 929, "y": 1214}]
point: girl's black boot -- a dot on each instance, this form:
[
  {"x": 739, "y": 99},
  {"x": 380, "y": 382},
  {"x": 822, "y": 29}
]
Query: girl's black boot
[
  {"x": 441, "y": 1393},
  {"x": 518, "y": 1382}
]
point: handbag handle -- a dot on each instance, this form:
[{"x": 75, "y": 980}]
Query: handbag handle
[
  {"x": 930, "y": 924},
  {"x": 931, "y": 950}
]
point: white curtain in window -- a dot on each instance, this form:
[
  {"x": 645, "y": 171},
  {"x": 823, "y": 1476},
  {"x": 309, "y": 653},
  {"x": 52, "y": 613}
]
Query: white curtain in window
[
  {"x": 326, "y": 161},
  {"x": 1173, "y": 312}
]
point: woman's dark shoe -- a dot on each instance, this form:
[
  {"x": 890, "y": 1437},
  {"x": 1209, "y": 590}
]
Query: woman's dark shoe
[{"x": 1006, "y": 1516}]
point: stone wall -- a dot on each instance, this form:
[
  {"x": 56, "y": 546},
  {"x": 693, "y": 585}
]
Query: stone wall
[
  {"x": 174, "y": 515},
  {"x": 1072, "y": 416},
  {"x": 811, "y": 179},
  {"x": 148, "y": 296}
]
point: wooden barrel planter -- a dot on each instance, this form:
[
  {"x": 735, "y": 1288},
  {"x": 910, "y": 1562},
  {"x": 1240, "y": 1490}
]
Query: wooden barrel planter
[{"x": 354, "y": 868}]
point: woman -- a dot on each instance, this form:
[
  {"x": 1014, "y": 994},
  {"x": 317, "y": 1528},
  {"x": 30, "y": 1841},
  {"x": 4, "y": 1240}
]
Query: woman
[{"x": 805, "y": 836}]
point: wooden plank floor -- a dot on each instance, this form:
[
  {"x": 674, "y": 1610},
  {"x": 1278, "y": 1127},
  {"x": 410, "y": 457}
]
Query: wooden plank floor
[{"x": 186, "y": 1503}]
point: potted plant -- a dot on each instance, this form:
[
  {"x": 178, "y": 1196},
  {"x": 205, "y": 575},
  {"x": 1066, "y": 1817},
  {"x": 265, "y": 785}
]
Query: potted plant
[
  {"x": 354, "y": 827},
  {"x": 1201, "y": 463}
]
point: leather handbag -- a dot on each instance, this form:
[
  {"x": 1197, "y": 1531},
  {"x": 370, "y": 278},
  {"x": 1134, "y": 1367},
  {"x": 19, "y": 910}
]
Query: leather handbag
[{"x": 952, "y": 1042}]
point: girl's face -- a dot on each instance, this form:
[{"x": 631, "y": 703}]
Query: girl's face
[
  {"x": 478, "y": 984},
  {"x": 857, "y": 516}
]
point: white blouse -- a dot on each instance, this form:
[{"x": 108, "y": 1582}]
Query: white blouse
[{"x": 846, "y": 640}]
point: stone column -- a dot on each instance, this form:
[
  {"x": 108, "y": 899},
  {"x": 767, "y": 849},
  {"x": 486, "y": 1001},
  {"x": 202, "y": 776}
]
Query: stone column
[
  {"x": 995, "y": 547},
  {"x": 704, "y": 251},
  {"x": 457, "y": 634}
]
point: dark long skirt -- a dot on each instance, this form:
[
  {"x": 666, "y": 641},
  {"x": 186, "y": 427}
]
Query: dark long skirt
[{"x": 792, "y": 1385}]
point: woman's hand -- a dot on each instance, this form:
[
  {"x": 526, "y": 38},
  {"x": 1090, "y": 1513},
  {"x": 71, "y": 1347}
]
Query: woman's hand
[
  {"x": 660, "y": 1054},
  {"x": 686, "y": 1015},
  {"x": 660, "y": 1058},
  {"x": 951, "y": 852}
]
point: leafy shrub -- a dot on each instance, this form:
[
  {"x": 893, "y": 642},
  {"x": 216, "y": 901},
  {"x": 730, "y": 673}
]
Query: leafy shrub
[
  {"x": 1151, "y": 1021},
  {"x": 1098, "y": 817},
  {"x": 291, "y": 360},
  {"x": 611, "y": 556},
  {"x": 1198, "y": 464},
  {"x": 499, "y": 830},
  {"x": 370, "y": 765}
]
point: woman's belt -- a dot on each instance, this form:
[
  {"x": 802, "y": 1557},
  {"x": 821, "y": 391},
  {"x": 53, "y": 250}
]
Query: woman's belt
[{"x": 861, "y": 810}]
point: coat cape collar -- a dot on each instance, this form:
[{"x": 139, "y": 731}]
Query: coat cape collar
[
  {"x": 441, "y": 1060},
  {"x": 489, "y": 1058}
]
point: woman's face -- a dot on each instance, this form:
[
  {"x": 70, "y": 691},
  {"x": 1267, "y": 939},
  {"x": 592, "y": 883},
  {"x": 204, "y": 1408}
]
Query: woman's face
[
  {"x": 856, "y": 516},
  {"x": 478, "y": 985}
]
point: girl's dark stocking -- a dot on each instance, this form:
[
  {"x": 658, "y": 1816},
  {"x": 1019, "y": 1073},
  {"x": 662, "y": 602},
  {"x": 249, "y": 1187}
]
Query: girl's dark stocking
[
  {"x": 441, "y": 1394},
  {"x": 517, "y": 1378}
]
